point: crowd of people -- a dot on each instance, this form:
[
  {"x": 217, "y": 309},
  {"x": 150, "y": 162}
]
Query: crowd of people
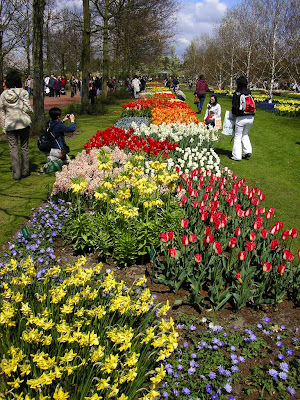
[{"x": 15, "y": 111}]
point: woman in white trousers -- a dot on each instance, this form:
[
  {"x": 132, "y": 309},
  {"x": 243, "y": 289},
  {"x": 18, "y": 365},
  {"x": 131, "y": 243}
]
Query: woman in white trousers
[{"x": 243, "y": 121}]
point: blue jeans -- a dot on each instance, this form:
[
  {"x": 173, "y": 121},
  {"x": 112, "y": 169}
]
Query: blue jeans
[{"x": 201, "y": 97}]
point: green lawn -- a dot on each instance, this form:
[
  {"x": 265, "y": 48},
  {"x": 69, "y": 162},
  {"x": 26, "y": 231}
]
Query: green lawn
[
  {"x": 273, "y": 167},
  {"x": 18, "y": 198}
]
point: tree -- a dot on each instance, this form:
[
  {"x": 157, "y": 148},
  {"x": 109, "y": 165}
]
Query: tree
[
  {"x": 37, "y": 53},
  {"x": 86, "y": 55},
  {"x": 10, "y": 29}
]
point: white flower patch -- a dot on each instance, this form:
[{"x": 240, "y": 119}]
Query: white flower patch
[
  {"x": 185, "y": 135},
  {"x": 189, "y": 159}
]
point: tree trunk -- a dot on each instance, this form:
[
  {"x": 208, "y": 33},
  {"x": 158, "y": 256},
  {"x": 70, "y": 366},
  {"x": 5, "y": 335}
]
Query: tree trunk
[
  {"x": 1, "y": 62},
  {"x": 86, "y": 55},
  {"x": 105, "y": 52},
  {"x": 249, "y": 61},
  {"x": 231, "y": 71},
  {"x": 37, "y": 55},
  {"x": 28, "y": 43}
]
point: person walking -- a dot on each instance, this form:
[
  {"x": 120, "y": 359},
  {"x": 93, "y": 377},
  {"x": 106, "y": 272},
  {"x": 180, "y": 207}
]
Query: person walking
[
  {"x": 243, "y": 121},
  {"x": 136, "y": 85},
  {"x": 201, "y": 89},
  {"x": 15, "y": 122}
]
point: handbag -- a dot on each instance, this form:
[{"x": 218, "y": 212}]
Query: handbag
[
  {"x": 54, "y": 166},
  {"x": 196, "y": 100},
  {"x": 228, "y": 124},
  {"x": 218, "y": 123}
]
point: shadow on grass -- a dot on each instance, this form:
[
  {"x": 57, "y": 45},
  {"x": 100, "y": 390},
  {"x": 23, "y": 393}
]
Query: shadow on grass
[{"x": 223, "y": 152}]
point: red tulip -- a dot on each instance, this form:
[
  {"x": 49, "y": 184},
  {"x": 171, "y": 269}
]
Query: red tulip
[
  {"x": 198, "y": 258},
  {"x": 184, "y": 223},
  {"x": 238, "y": 231},
  {"x": 294, "y": 233},
  {"x": 242, "y": 255},
  {"x": 232, "y": 242},
  {"x": 274, "y": 244},
  {"x": 240, "y": 213},
  {"x": 207, "y": 231},
  {"x": 287, "y": 255},
  {"x": 266, "y": 267},
  {"x": 285, "y": 235},
  {"x": 179, "y": 188},
  {"x": 250, "y": 246},
  {"x": 281, "y": 269},
  {"x": 264, "y": 233},
  {"x": 163, "y": 237},
  {"x": 170, "y": 235},
  {"x": 252, "y": 236},
  {"x": 185, "y": 240},
  {"x": 270, "y": 213},
  {"x": 248, "y": 212},
  {"x": 172, "y": 252},
  {"x": 217, "y": 247},
  {"x": 195, "y": 203},
  {"x": 257, "y": 223},
  {"x": 238, "y": 275},
  {"x": 193, "y": 238}
]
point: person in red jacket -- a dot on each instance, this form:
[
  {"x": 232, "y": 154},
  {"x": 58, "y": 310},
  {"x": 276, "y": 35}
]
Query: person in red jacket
[{"x": 201, "y": 89}]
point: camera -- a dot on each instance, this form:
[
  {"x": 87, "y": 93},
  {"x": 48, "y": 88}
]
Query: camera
[{"x": 68, "y": 115}]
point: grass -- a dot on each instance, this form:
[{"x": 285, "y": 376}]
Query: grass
[
  {"x": 18, "y": 198},
  {"x": 274, "y": 165}
]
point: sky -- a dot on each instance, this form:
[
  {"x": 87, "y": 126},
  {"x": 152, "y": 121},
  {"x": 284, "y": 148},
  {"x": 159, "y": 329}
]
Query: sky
[{"x": 196, "y": 17}]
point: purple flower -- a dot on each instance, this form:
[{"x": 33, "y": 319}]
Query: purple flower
[
  {"x": 242, "y": 359},
  {"x": 212, "y": 375},
  {"x": 193, "y": 355},
  {"x": 281, "y": 356},
  {"x": 234, "y": 368},
  {"x": 191, "y": 371},
  {"x": 232, "y": 348},
  {"x": 259, "y": 326},
  {"x": 273, "y": 372},
  {"x": 282, "y": 375},
  {"x": 165, "y": 395},
  {"x": 214, "y": 397},
  {"x": 284, "y": 367},
  {"x": 289, "y": 352},
  {"x": 175, "y": 392},
  {"x": 279, "y": 344},
  {"x": 267, "y": 320},
  {"x": 227, "y": 373},
  {"x": 185, "y": 344},
  {"x": 186, "y": 391},
  {"x": 179, "y": 367},
  {"x": 228, "y": 388},
  {"x": 208, "y": 389},
  {"x": 192, "y": 328},
  {"x": 291, "y": 391},
  {"x": 40, "y": 260}
]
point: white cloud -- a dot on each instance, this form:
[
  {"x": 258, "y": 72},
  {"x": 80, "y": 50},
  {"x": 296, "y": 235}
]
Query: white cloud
[{"x": 194, "y": 18}]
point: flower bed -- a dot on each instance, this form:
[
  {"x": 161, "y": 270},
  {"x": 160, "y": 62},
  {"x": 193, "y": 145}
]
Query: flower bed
[
  {"x": 227, "y": 245},
  {"x": 79, "y": 331}
]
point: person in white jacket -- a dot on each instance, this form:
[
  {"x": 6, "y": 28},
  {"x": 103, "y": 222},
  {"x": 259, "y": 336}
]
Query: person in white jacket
[
  {"x": 15, "y": 122},
  {"x": 136, "y": 85},
  {"x": 213, "y": 110}
]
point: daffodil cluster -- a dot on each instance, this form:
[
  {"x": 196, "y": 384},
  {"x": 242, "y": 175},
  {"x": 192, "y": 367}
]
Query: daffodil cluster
[
  {"x": 140, "y": 184},
  {"x": 80, "y": 333}
]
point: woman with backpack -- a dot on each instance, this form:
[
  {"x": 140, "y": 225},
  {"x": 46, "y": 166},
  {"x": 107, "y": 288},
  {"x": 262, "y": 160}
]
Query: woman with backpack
[{"x": 243, "y": 108}]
